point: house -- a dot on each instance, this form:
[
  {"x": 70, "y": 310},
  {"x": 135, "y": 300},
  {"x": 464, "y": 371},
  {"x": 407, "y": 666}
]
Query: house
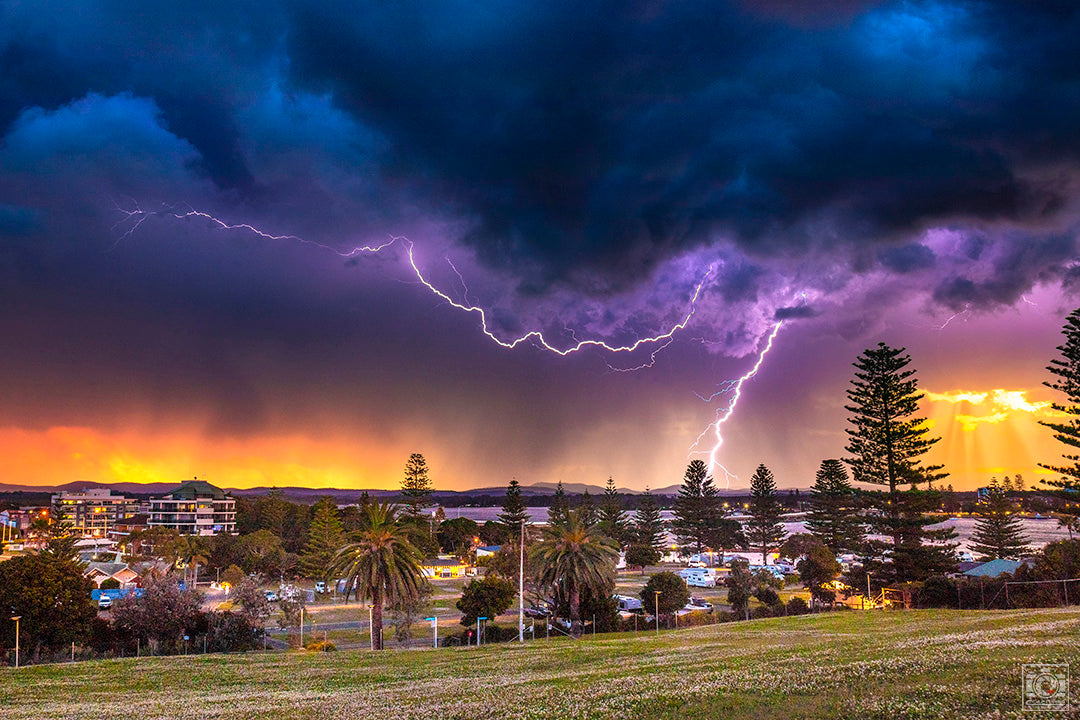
[
  {"x": 993, "y": 568},
  {"x": 487, "y": 551},
  {"x": 194, "y": 508},
  {"x": 444, "y": 566},
  {"x": 99, "y": 572}
]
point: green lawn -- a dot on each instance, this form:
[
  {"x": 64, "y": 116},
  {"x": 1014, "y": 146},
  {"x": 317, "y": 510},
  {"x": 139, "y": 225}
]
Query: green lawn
[{"x": 915, "y": 664}]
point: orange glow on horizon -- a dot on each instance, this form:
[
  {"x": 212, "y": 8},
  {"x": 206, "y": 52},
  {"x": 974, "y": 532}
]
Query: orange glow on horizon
[
  {"x": 991, "y": 433},
  {"x": 60, "y": 455}
]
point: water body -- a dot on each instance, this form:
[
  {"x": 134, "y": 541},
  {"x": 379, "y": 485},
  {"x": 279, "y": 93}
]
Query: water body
[{"x": 1039, "y": 532}]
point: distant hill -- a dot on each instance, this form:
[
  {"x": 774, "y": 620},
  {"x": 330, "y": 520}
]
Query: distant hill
[{"x": 344, "y": 496}]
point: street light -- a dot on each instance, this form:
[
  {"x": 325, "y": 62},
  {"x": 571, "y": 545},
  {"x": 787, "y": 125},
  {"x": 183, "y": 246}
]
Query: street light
[
  {"x": 657, "y": 609},
  {"x": 16, "y": 618}
]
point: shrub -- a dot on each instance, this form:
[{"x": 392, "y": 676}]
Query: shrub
[
  {"x": 797, "y": 606},
  {"x": 110, "y": 584},
  {"x": 322, "y": 646},
  {"x": 673, "y": 593}
]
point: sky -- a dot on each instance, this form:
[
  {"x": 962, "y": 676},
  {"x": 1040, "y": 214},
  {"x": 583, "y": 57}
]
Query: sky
[{"x": 290, "y": 243}]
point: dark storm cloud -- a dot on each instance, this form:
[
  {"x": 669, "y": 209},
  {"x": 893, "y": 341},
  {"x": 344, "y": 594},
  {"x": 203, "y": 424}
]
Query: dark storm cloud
[
  {"x": 907, "y": 258},
  {"x": 583, "y": 135},
  {"x": 796, "y": 312},
  {"x": 576, "y": 147}
]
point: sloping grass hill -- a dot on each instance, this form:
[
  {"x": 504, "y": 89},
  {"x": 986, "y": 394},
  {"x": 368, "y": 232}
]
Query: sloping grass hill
[{"x": 915, "y": 664}]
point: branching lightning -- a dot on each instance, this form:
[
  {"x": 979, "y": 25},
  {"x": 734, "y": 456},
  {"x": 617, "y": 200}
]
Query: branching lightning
[
  {"x": 732, "y": 389},
  {"x": 723, "y": 413},
  {"x": 138, "y": 216}
]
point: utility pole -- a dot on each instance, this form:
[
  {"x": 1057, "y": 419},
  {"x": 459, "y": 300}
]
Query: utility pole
[
  {"x": 521, "y": 589},
  {"x": 656, "y": 608},
  {"x": 16, "y": 619}
]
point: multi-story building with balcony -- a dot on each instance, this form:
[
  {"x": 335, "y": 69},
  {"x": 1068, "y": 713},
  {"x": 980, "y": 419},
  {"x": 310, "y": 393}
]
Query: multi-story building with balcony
[
  {"x": 194, "y": 508},
  {"x": 92, "y": 512}
]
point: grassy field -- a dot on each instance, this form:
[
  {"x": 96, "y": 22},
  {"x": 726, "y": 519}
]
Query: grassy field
[{"x": 916, "y": 664}]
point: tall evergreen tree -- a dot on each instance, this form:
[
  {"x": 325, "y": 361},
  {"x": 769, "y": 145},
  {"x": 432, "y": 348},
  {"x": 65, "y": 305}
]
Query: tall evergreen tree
[
  {"x": 326, "y": 536},
  {"x": 514, "y": 514},
  {"x": 887, "y": 444},
  {"x": 764, "y": 529},
  {"x": 648, "y": 524},
  {"x": 998, "y": 531},
  {"x": 559, "y": 509},
  {"x": 697, "y": 508},
  {"x": 416, "y": 487},
  {"x": 590, "y": 516},
  {"x": 613, "y": 519},
  {"x": 833, "y": 518},
  {"x": 1067, "y": 431}
]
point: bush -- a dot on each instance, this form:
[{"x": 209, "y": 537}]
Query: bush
[
  {"x": 936, "y": 592},
  {"x": 673, "y": 593},
  {"x": 797, "y": 606},
  {"x": 232, "y": 631},
  {"x": 110, "y": 584},
  {"x": 322, "y": 646},
  {"x": 486, "y": 597}
]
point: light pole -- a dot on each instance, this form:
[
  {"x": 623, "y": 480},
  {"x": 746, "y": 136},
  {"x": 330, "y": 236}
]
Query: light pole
[
  {"x": 657, "y": 609},
  {"x": 521, "y": 589},
  {"x": 16, "y": 619}
]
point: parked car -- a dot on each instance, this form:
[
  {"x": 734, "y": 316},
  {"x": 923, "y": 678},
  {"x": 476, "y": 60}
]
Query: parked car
[
  {"x": 537, "y": 612},
  {"x": 778, "y": 572},
  {"x": 271, "y": 596},
  {"x": 105, "y": 602},
  {"x": 698, "y": 604},
  {"x": 320, "y": 586}
]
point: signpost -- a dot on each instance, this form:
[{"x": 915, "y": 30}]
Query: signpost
[{"x": 434, "y": 630}]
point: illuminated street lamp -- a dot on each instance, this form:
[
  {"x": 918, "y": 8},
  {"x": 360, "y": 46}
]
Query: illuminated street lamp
[{"x": 16, "y": 619}]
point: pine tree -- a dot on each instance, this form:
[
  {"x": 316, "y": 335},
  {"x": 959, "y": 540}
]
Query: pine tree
[
  {"x": 1067, "y": 370},
  {"x": 613, "y": 520},
  {"x": 559, "y": 509},
  {"x": 514, "y": 514},
  {"x": 764, "y": 529},
  {"x": 998, "y": 531},
  {"x": 589, "y": 515},
  {"x": 699, "y": 521},
  {"x": 648, "y": 525},
  {"x": 833, "y": 517},
  {"x": 887, "y": 444},
  {"x": 416, "y": 486},
  {"x": 326, "y": 536}
]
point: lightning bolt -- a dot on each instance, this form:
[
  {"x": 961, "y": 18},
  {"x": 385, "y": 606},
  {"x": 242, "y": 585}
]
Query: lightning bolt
[
  {"x": 138, "y": 216},
  {"x": 135, "y": 218},
  {"x": 723, "y": 413},
  {"x": 952, "y": 317}
]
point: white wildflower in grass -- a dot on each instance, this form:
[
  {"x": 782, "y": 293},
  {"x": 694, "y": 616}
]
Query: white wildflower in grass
[{"x": 919, "y": 664}]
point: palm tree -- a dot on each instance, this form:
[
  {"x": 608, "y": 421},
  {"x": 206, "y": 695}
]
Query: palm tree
[
  {"x": 382, "y": 563},
  {"x": 575, "y": 556},
  {"x": 195, "y": 553}
]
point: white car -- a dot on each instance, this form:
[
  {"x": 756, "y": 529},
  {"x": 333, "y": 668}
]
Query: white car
[
  {"x": 320, "y": 587},
  {"x": 104, "y": 602},
  {"x": 271, "y": 596}
]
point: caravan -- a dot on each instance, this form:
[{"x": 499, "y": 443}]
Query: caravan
[
  {"x": 629, "y": 604},
  {"x": 699, "y": 577}
]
